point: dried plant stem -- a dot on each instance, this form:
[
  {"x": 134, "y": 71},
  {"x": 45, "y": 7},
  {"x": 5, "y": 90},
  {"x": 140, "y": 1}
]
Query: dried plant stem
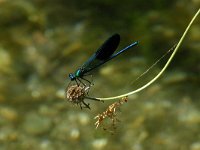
[{"x": 163, "y": 69}]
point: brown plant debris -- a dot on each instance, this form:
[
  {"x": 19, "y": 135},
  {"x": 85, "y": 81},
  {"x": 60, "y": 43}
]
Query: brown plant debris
[{"x": 111, "y": 113}]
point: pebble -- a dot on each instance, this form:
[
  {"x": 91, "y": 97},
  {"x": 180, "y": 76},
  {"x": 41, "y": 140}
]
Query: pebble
[
  {"x": 83, "y": 118},
  {"x": 60, "y": 93},
  {"x": 190, "y": 117},
  {"x": 9, "y": 114},
  {"x": 99, "y": 143},
  {"x": 7, "y": 133},
  {"x": 74, "y": 133},
  {"x": 195, "y": 146}
]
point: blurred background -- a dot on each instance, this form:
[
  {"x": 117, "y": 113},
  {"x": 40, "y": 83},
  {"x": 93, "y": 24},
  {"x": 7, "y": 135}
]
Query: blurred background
[{"x": 42, "y": 41}]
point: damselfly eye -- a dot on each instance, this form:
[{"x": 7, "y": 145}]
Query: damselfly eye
[{"x": 71, "y": 76}]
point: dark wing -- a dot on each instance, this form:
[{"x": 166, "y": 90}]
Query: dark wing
[
  {"x": 102, "y": 54},
  {"x": 108, "y": 47}
]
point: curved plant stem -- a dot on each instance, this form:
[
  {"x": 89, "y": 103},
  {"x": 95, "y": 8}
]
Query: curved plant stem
[{"x": 163, "y": 69}]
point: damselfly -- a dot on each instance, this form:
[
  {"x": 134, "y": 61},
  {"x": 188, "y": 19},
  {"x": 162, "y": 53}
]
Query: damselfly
[{"x": 103, "y": 54}]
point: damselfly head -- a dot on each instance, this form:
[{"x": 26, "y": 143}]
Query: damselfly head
[{"x": 72, "y": 77}]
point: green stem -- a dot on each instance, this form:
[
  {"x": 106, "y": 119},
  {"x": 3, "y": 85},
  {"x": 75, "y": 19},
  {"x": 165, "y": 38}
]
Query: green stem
[{"x": 163, "y": 69}]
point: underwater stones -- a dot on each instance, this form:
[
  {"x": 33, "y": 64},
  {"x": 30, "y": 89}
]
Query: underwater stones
[
  {"x": 71, "y": 127},
  {"x": 8, "y": 114},
  {"x": 7, "y": 133},
  {"x": 195, "y": 33},
  {"x": 175, "y": 77},
  {"x": 189, "y": 116},
  {"x": 5, "y": 60},
  {"x": 36, "y": 125},
  {"x": 65, "y": 130},
  {"x": 194, "y": 38}
]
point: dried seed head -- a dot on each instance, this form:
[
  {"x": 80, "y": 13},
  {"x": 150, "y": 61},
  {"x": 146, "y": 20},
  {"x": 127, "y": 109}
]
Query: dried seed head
[{"x": 76, "y": 94}]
